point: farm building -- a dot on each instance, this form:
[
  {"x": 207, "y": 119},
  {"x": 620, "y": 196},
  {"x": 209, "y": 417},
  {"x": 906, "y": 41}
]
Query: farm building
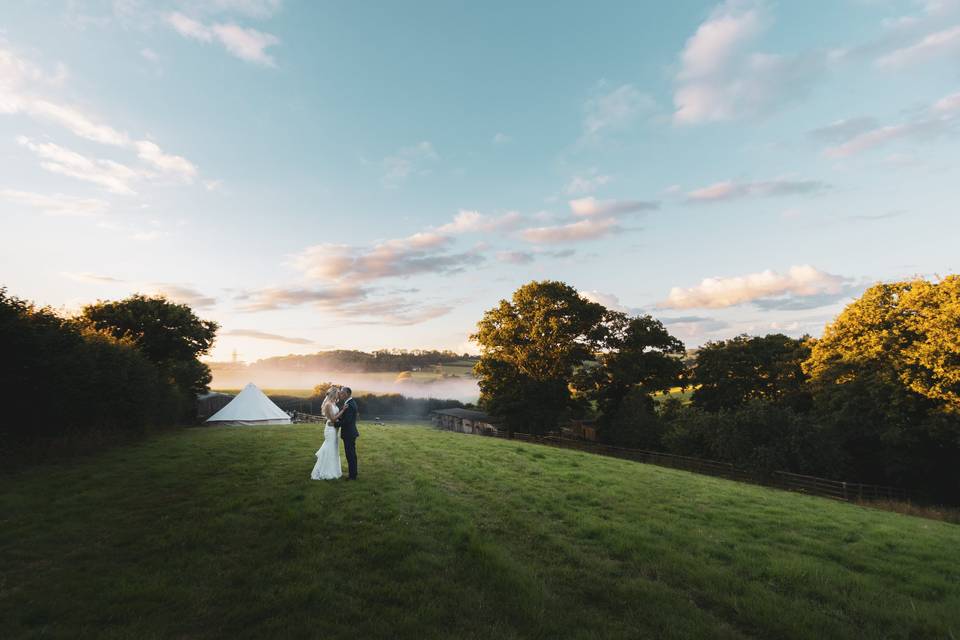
[
  {"x": 465, "y": 421},
  {"x": 581, "y": 430}
]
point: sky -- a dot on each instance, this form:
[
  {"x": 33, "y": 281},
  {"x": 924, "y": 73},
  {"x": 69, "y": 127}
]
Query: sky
[{"x": 318, "y": 175}]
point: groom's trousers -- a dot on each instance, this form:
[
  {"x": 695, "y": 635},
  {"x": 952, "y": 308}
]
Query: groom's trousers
[{"x": 350, "y": 449}]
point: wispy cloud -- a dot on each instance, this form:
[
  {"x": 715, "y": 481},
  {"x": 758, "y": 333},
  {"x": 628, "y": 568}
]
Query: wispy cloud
[
  {"x": 180, "y": 293},
  {"x": 934, "y": 121},
  {"x": 802, "y": 281},
  {"x": 729, "y": 190},
  {"x": 261, "y": 335},
  {"x": 587, "y": 183},
  {"x": 609, "y": 300},
  {"x": 417, "y": 254},
  {"x": 110, "y": 175},
  {"x": 251, "y": 8},
  {"x": 841, "y": 130},
  {"x": 527, "y": 257},
  {"x": 591, "y": 207},
  {"x": 56, "y": 204},
  {"x": 242, "y": 42},
  {"x": 614, "y": 110},
  {"x": 516, "y": 257},
  {"x": 501, "y": 138},
  {"x": 346, "y": 301},
  {"x": 583, "y": 230},
  {"x": 476, "y": 222},
  {"x": 406, "y": 162},
  {"x": 94, "y": 278},
  {"x": 20, "y": 82},
  {"x": 720, "y": 80},
  {"x": 939, "y": 44}
]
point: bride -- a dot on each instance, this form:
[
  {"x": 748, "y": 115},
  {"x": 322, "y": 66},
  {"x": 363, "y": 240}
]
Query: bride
[{"x": 328, "y": 455}]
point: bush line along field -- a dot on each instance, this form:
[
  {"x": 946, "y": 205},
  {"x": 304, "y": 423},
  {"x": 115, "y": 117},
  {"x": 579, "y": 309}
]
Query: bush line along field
[{"x": 214, "y": 532}]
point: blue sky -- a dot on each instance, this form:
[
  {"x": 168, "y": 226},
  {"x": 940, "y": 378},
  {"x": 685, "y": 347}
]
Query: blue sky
[{"x": 362, "y": 175}]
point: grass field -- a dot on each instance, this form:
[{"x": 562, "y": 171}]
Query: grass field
[{"x": 218, "y": 532}]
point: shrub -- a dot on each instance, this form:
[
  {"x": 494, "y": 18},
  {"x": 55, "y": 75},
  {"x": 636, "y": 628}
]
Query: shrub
[{"x": 64, "y": 377}]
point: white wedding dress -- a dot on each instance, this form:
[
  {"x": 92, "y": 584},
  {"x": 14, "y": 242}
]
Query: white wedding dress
[{"x": 328, "y": 455}]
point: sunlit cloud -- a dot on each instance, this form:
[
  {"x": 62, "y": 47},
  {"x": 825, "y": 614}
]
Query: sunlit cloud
[
  {"x": 476, "y": 222},
  {"x": 799, "y": 281},
  {"x": 583, "y": 230}
]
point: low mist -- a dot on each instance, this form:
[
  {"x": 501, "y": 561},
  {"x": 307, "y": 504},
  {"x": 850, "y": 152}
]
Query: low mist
[{"x": 464, "y": 388}]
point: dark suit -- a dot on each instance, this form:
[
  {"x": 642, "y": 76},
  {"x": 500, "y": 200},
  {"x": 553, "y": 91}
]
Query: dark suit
[{"x": 349, "y": 433}]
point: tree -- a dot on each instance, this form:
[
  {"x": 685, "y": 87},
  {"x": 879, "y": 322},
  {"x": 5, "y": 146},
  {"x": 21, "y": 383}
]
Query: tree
[
  {"x": 638, "y": 357},
  {"x": 729, "y": 373},
  {"x": 886, "y": 383},
  {"x": 635, "y": 423},
  {"x": 170, "y": 335},
  {"x": 530, "y": 347}
]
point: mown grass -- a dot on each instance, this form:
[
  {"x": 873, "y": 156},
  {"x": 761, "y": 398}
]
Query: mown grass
[{"x": 218, "y": 532}]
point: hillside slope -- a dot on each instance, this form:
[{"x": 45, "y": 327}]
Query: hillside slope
[{"x": 218, "y": 532}]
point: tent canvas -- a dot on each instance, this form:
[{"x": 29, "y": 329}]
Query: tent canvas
[{"x": 250, "y": 407}]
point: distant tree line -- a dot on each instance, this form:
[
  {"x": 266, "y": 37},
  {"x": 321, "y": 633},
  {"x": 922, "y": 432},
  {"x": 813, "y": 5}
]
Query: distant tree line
[
  {"x": 370, "y": 405},
  {"x": 348, "y": 361},
  {"x": 876, "y": 399},
  {"x": 115, "y": 366}
]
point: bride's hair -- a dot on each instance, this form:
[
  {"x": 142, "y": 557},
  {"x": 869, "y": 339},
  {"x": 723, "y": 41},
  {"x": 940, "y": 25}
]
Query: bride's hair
[{"x": 332, "y": 393}]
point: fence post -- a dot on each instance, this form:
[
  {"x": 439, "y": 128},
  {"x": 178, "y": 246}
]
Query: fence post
[{"x": 845, "y": 491}]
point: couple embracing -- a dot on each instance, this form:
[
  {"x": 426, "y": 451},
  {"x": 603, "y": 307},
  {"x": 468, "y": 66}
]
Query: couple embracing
[{"x": 340, "y": 410}]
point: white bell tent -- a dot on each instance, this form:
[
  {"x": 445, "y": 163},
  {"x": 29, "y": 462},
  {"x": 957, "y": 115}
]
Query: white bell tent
[{"x": 250, "y": 407}]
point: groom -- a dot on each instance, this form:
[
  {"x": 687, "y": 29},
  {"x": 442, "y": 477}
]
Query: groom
[{"x": 348, "y": 430}]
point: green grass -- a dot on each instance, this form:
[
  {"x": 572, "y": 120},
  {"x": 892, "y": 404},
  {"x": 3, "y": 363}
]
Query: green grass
[{"x": 218, "y": 532}]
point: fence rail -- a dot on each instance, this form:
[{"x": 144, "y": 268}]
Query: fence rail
[{"x": 823, "y": 487}]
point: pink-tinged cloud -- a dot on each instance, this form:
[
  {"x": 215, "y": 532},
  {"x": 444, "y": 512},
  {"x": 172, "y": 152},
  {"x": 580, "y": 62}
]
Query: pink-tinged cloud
[
  {"x": 588, "y": 229},
  {"x": 590, "y": 207},
  {"x": 729, "y": 190},
  {"x": 719, "y": 80},
  {"x": 476, "y": 222},
  {"x": 420, "y": 253},
  {"x": 934, "y": 45},
  {"x": 937, "y": 120}
]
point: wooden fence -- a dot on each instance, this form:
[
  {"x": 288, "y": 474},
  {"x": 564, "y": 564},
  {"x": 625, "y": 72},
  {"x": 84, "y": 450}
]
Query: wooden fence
[{"x": 823, "y": 487}]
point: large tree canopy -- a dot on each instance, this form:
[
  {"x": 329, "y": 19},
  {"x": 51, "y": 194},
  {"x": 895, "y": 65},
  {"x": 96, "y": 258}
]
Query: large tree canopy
[
  {"x": 549, "y": 341},
  {"x": 530, "y": 346},
  {"x": 902, "y": 332},
  {"x": 169, "y": 334},
  {"x": 729, "y": 373}
]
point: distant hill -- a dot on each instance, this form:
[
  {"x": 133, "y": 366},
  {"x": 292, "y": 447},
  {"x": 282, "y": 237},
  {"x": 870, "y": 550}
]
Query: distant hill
[{"x": 349, "y": 361}]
